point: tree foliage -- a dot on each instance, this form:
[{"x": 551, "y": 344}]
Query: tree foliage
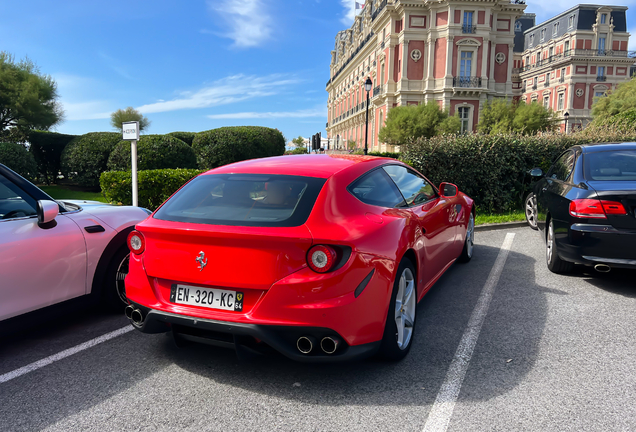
[
  {"x": 28, "y": 99},
  {"x": 86, "y": 157},
  {"x": 616, "y": 104},
  {"x": 19, "y": 159},
  {"x": 127, "y": 115},
  {"x": 405, "y": 123},
  {"x": 502, "y": 116},
  {"x": 299, "y": 142}
]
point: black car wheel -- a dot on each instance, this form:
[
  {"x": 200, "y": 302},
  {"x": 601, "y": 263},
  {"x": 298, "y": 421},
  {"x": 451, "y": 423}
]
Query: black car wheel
[
  {"x": 114, "y": 288},
  {"x": 555, "y": 264},
  {"x": 530, "y": 205}
]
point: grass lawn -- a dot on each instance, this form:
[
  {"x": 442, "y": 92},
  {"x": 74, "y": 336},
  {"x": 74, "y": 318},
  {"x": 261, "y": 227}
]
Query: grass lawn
[
  {"x": 59, "y": 192},
  {"x": 514, "y": 216}
]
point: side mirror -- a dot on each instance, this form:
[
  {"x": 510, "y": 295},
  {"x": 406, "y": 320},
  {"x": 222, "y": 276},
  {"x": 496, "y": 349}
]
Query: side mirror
[
  {"x": 448, "y": 190},
  {"x": 536, "y": 172},
  {"x": 47, "y": 211}
]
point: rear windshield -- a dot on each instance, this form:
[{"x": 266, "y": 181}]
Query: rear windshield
[
  {"x": 244, "y": 200},
  {"x": 611, "y": 165}
]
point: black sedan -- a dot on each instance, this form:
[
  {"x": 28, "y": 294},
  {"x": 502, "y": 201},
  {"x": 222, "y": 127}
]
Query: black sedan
[{"x": 586, "y": 206}]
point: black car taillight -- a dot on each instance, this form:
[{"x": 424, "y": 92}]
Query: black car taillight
[
  {"x": 136, "y": 242},
  {"x": 595, "y": 208}
]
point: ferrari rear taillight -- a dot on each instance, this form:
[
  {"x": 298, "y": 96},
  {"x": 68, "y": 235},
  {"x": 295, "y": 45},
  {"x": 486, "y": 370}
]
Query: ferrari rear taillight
[
  {"x": 136, "y": 242},
  {"x": 321, "y": 258},
  {"x": 595, "y": 209}
]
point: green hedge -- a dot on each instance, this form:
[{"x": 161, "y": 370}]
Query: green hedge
[
  {"x": 155, "y": 186},
  {"x": 153, "y": 152},
  {"x": 385, "y": 154},
  {"x": 227, "y": 145},
  {"x": 19, "y": 159},
  {"x": 297, "y": 150},
  {"x": 86, "y": 157},
  {"x": 493, "y": 169},
  {"x": 47, "y": 148},
  {"x": 186, "y": 137}
]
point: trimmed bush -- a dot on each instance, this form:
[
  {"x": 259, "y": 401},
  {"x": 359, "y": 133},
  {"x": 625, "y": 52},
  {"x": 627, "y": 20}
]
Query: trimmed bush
[
  {"x": 227, "y": 145},
  {"x": 155, "y": 186},
  {"x": 385, "y": 154},
  {"x": 297, "y": 150},
  {"x": 19, "y": 159},
  {"x": 493, "y": 169},
  {"x": 47, "y": 148},
  {"x": 186, "y": 137},
  {"x": 153, "y": 152},
  {"x": 86, "y": 157}
]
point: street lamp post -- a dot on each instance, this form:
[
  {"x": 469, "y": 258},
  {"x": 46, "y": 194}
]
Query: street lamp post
[
  {"x": 367, "y": 86},
  {"x": 566, "y": 116}
]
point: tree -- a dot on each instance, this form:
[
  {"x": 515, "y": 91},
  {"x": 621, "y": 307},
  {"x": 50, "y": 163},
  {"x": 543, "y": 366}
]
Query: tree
[
  {"x": 129, "y": 114},
  {"x": 28, "y": 99},
  {"x": 501, "y": 116},
  {"x": 299, "y": 142},
  {"x": 613, "y": 107},
  {"x": 405, "y": 123}
]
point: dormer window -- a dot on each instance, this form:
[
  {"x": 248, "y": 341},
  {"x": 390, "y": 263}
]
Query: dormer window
[
  {"x": 542, "y": 35},
  {"x": 555, "y": 31},
  {"x": 603, "y": 18},
  {"x": 571, "y": 21},
  {"x": 531, "y": 40}
]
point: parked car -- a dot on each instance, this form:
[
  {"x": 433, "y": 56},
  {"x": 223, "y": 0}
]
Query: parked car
[
  {"x": 585, "y": 207},
  {"x": 321, "y": 257},
  {"x": 54, "y": 251}
]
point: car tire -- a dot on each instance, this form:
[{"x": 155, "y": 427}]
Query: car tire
[
  {"x": 530, "y": 206},
  {"x": 401, "y": 316},
  {"x": 469, "y": 241},
  {"x": 555, "y": 264},
  {"x": 114, "y": 293}
]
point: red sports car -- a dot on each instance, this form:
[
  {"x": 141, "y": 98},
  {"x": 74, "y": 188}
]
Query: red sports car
[{"x": 320, "y": 257}]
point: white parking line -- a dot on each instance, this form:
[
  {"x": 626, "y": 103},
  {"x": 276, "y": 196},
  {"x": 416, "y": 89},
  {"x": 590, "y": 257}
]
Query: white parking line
[
  {"x": 442, "y": 410},
  {"x": 63, "y": 354}
]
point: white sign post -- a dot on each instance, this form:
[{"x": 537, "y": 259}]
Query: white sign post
[{"x": 131, "y": 133}]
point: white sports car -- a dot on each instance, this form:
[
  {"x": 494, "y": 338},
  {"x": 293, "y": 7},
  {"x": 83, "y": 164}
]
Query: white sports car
[{"x": 54, "y": 251}]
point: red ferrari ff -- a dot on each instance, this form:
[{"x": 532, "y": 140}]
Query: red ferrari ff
[{"x": 320, "y": 257}]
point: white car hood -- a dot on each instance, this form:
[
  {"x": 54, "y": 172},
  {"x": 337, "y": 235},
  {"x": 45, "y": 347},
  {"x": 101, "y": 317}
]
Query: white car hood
[{"x": 116, "y": 217}]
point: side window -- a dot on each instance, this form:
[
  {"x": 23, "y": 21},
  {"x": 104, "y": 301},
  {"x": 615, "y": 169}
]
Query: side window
[
  {"x": 414, "y": 188},
  {"x": 562, "y": 168},
  {"x": 376, "y": 188},
  {"x": 14, "y": 203}
]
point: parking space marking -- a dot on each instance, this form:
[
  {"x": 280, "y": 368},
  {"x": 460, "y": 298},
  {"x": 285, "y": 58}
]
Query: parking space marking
[
  {"x": 442, "y": 410},
  {"x": 63, "y": 354}
]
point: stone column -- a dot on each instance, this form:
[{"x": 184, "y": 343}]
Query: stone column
[
  {"x": 484, "y": 61},
  {"x": 509, "y": 72},
  {"x": 430, "y": 81}
]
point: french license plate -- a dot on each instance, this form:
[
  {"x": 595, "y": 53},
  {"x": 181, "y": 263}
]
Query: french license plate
[{"x": 207, "y": 297}]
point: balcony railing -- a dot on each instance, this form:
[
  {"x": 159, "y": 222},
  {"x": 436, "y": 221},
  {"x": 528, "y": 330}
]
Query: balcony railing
[
  {"x": 582, "y": 53},
  {"x": 467, "y": 82},
  {"x": 377, "y": 11},
  {"x": 362, "y": 44},
  {"x": 466, "y": 28},
  {"x": 377, "y": 90},
  {"x": 601, "y": 78},
  {"x": 562, "y": 79},
  {"x": 534, "y": 87}
]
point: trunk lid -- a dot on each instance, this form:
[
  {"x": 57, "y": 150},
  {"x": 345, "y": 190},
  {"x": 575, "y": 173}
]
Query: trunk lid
[
  {"x": 623, "y": 192},
  {"x": 236, "y": 257}
]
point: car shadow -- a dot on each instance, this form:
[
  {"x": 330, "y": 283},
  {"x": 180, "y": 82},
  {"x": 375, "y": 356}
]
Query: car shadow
[
  {"x": 618, "y": 281},
  {"x": 518, "y": 304}
]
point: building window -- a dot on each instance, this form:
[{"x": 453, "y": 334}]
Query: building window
[
  {"x": 546, "y": 102},
  {"x": 600, "y": 73},
  {"x": 539, "y": 57},
  {"x": 464, "y": 118},
  {"x": 531, "y": 40},
  {"x": 527, "y": 60},
  {"x": 468, "y": 23},
  {"x": 601, "y": 43},
  {"x": 542, "y": 35},
  {"x": 603, "y": 18},
  {"x": 562, "y": 75},
  {"x": 382, "y": 74},
  {"x": 465, "y": 64},
  {"x": 599, "y": 94},
  {"x": 551, "y": 52},
  {"x": 555, "y": 30},
  {"x": 571, "y": 21},
  {"x": 560, "y": 102},
  {"x": 566, "y": 47}
]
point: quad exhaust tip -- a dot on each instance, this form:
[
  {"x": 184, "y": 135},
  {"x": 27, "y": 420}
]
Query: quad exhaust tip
[
  {"x": 305, "y": 344},
  {"x": 602, "y": 268},
  {"x": 329, "y": 344}
]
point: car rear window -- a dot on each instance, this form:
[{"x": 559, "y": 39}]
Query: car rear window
[
  {"x": 244, "y": 200},
  {"x": 611, "y": 165}
]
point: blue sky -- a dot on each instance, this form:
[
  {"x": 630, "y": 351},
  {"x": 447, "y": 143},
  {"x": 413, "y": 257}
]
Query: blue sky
[{"x": 192, "y": 65}]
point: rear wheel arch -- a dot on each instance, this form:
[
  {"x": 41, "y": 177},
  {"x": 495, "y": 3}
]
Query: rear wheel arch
[{"x": 412, "y": 256}]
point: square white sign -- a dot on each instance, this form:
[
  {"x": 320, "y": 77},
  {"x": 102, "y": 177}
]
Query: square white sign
[{"x": 130, "y": 130}]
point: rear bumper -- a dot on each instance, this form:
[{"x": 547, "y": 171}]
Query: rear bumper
[
  {"x": 234, "y": 335},
  {"x": 591, "y": 244}
]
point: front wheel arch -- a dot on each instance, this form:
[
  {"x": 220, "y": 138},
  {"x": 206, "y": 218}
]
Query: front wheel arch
[{"x": 115, "y": 244}]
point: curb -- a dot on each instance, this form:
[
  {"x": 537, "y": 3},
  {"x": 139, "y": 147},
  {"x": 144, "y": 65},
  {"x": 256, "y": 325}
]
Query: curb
[{"x": 498, "y": 226}]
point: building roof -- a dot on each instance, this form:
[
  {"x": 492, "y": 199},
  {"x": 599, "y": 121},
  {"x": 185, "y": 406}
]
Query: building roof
[{"x": 572, "y": 9}]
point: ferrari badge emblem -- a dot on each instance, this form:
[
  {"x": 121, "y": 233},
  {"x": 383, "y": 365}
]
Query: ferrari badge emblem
[{"x": 201, "y": 260}]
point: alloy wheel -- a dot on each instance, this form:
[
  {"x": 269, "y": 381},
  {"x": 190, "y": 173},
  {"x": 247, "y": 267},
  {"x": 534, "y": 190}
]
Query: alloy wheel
[
  {"x": 531, "y": 215},
  {"x": 549, "y": 245},
  {"x": 120, "y": 275},
  {"x": 470, "y": 236},
  {"x": 405, "y": 303}
]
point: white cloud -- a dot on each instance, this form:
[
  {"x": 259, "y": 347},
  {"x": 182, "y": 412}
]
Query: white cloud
[
  {"x": 349, "y": 12},
  {"x": 249, "y": 24},
  {"x": 316, "y": 112},
  {"x": 232, "y": 89}
]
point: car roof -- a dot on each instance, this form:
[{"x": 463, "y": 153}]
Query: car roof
[
  {"x": 321, "y": 166},
  {"x": 599, "y": 147}
]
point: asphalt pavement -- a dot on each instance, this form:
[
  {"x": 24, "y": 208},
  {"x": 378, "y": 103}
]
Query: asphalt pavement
[{"x": 554, "y": 353}]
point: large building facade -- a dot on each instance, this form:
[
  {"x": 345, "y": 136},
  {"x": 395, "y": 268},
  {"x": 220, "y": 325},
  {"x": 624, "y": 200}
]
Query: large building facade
[
  {"x": 575, "y": 57},
  {"x": 461, "y": 54}
]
